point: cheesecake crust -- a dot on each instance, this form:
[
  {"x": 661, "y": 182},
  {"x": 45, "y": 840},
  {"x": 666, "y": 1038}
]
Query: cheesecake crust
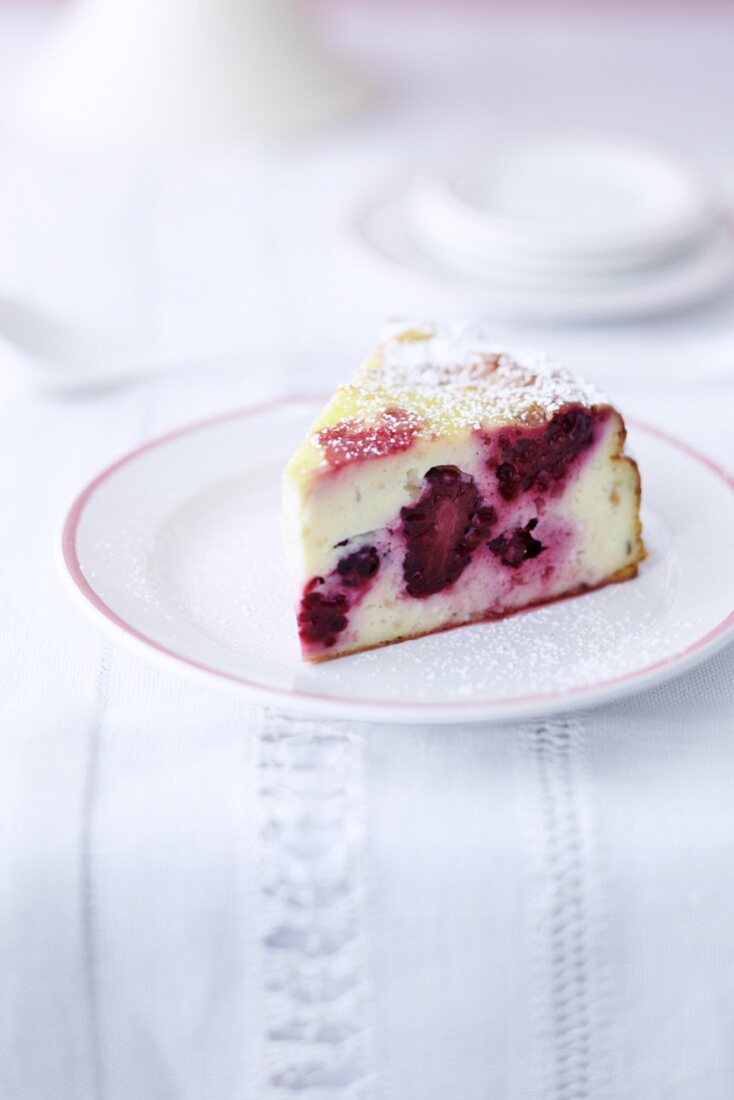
[{"x": 626, "y": 573}]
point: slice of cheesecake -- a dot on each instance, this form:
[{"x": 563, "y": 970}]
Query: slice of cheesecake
[{"x": 452, "y": 481}]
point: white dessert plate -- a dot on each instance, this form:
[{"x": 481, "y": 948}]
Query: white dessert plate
[
  {"x": 176, "y": 549},
  {"x": 589, "y": 198},
  {"x": 384, "y": 234}
]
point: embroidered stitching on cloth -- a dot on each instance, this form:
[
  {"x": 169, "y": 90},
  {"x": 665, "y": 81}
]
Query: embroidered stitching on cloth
[
  {"x": 567, "y": 921},
  {"x": 102, "y": 691},
  {"x": 312, "y": 811}
]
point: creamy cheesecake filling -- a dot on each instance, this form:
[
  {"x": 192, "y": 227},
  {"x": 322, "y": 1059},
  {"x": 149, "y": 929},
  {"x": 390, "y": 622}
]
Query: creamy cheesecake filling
[
  {"x": 465, "y": 528},
  {"x": 451, "y": 480}
]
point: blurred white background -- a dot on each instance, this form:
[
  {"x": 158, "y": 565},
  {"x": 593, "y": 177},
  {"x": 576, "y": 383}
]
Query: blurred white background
[{"x": 228, "y": 246}]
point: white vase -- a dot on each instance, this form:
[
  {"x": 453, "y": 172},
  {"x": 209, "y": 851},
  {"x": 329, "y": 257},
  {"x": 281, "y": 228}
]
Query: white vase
[{"x": 152, "y": 73}]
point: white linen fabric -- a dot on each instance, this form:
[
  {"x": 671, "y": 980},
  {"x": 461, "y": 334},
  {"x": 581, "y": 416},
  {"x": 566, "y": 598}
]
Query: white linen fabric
[{"x": 202, "y": 900}]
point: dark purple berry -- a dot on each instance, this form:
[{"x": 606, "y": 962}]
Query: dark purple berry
[
  {"x": 527, "y": 461},
  {"x": 322, "y": 616},
  {"x": 518, "y": 546},
  {"x": 436, "y": 529},
  {"x": 358, "y": 568}
]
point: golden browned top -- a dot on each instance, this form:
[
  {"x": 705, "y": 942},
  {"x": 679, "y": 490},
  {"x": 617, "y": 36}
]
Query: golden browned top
[{"x": 427, "y": 381}]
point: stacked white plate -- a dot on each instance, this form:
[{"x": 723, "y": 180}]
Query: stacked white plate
[{"x": 559, "y": 228}]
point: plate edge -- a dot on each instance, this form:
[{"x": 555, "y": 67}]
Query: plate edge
[{"x": 518, "y": 709}]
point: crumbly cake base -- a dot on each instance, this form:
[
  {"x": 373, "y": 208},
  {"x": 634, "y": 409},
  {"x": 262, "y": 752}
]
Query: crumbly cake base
[{"x": 627, "y": 573}]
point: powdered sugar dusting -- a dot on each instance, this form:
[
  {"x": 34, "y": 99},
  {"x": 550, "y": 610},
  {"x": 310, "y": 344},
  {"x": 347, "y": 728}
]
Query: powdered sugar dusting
[
  {"x": 463, "y": 364},
  {"x": 441, "y": 380}
]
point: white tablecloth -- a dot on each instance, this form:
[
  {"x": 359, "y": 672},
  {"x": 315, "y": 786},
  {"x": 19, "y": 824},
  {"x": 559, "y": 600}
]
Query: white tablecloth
[{"x": 198, "y": 900}]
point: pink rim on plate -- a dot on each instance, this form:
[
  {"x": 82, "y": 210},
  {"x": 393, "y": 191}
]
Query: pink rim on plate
[{"x": 602, "y": 691}]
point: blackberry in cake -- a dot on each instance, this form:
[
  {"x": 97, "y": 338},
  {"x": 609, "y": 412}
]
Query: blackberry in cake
[{"x": 450, "y": 482}]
